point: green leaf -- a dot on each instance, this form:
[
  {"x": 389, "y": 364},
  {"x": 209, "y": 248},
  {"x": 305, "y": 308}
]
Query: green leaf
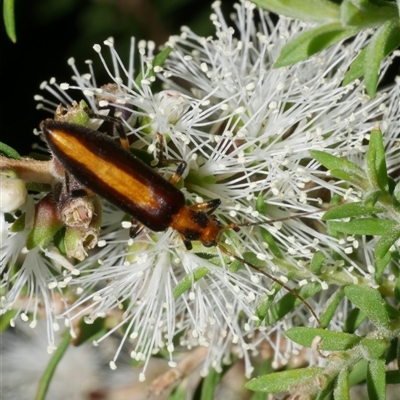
[
  {"x": 341, "y": 391},
  {"x": 317, "y": 262},
  {"x": 9, "y": 19},
  {"x": 264, "y": 304},
  {"x": 51, "y": 367},
  {"x": 209, "y": 384},
  {"x": 370, "y": 302},
  {"x": 187, "y": 282},
  {"x": 376, "y": 162},
  {"x": 357, "y": 174},
  {"x": 387, "y": 240},
  {"x": 384, "y": 41},
  {"x": 312, "y": 41},
  {"x": 89, "y": 331},
  {"x": 359, "y": 373},
  {"x": 8, "y": 151},
  {"x": 158, "y": 61},
  {"x": 374, "y": 348},
  {"x": 380, "y": 266},
  {"x": 347, "y": 210},
  {"x": 397, "y": 291},
  {"x": 376, "y": 380},
  {"x": 267, "y": 236},
  {"x": 288, "y": 302},
  {"x": 330, "y": 307},
  {"x": 356, "y": 69},
  {"x": 332, "y": 341},
  {"x": 365, "y": 13},
  {"x": 354, "y": 319},
  {"x": 5, "y": 319},
  {"x": 306, "y": 10},
  {"x": 282, "y": 381},
  {"x": 364, "y": 226}
]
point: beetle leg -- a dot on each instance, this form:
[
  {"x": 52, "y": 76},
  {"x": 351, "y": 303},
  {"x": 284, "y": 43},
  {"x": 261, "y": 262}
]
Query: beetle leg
[
  {"x": 207, "y": 206},
  {"x": 117, "y": 127},
  {"x": 135, "y": 228},
  {"x": 164, "y": 161}
]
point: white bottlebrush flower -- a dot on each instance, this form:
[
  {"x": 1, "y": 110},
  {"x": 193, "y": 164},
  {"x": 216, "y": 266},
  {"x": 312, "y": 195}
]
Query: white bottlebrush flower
[{"x": 245, "y": 130}]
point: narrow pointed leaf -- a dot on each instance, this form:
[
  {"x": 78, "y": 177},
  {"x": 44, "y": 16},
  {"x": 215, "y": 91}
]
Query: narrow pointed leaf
[
  {"x": 354, "y": 319},
  {"x": 331, "y": 341},
  {"x": 306, "y": 10},
  {"x": 336, "y": 163},
  {"x": 364, "y": 226},
  {"x": 187, "y": 282},
  {"x": 387, "y": 240},
  {"x": 317, "y": 262},
  {"x": 9, "y": 19},
  {"x": 8, "y": 151},
  {"x": 341, "y": 391},
  {"x": 282, "y": 381},
  {"x": 312, "y": 41},
  {"x": 57, "y": 356},
  {"x": 330, "y": 307},
  {"x": 376, "y": 380},
  {"x": 288, "y": 302},
  {"x": 158, "y": 61},
  {"x": 384, "y": 41},
  {"x": 347, "y": 210},
  {"x": 370, "y": 302},
  {"x": 376, "y": 162},
  {"x": 356, "y": 69}
]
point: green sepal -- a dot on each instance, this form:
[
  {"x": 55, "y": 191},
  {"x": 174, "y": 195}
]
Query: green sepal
[
  {"x": 312, "y": 41},
  {"x": 370, "y": 302},
  {"x": 19, "y": 224},
  {"x": 187, "y": 282},
  {"x": 46, "y": 223},
  {"x": 284, "y": 380},
  {"x": 331, "y": 341}
]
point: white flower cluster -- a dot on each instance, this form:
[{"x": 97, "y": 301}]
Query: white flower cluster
[{"x": 245, "y": 130}]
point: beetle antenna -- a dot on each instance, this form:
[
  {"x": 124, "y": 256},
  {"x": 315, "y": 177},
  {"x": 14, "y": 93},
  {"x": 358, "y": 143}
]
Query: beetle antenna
[
  {"x": 234, "y": 225},
  {"x": 272, "y": 278}
]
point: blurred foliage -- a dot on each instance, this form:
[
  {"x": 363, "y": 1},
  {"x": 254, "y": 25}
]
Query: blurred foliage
[
  {"x": 48, "y": 32},
  {"x": 338, "y": 20}
]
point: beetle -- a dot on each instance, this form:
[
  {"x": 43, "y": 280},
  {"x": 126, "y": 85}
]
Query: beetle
[{"x": 113, "y": 172}]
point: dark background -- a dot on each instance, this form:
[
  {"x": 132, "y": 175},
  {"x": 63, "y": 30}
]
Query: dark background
[{"x": 51, "y": 31}]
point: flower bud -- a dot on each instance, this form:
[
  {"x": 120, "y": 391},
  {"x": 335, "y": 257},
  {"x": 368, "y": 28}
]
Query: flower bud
[{"x": 13, "y": 192}]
